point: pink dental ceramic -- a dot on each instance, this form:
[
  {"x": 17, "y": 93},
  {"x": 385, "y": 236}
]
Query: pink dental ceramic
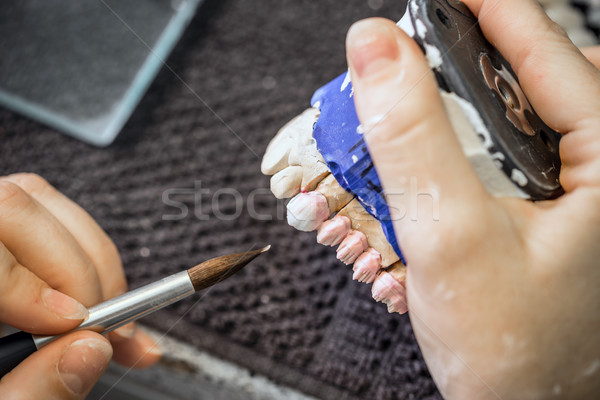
[
  {"x": 332, "y": 232},
  {"x": 351, "y": 247},
  {"x": 366, "y": 266},
  {"x": 389, "y": 291}
]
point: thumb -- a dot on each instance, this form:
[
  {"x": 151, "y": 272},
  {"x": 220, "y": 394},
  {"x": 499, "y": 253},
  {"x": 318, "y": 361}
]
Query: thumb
[
  {"x": 419, "y": 160},
  {"x": 65, "y": 369}
]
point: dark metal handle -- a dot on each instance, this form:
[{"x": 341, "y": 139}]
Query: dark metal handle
[{"x": 14, "y": 349}]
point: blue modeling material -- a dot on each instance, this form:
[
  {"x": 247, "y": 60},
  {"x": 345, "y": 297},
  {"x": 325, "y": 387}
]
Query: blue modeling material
[{"x": 341, "y": 142}]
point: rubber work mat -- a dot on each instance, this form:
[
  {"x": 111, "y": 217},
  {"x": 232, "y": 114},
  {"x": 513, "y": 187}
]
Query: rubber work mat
[{"x": 294, "y": 314}]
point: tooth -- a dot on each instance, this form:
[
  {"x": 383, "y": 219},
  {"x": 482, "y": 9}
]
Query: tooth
[
  {"x": 307, "y": 211},
  {"x": 304, "y": 149},
  {"x": 345, "y": 253},
  {"x": 276, "y": 156},
  {"x": 369, "y": 262},
  {"x": 376, "y": 293},
  {"x": 355, "y": 243},
  {"x": 347, "y": 260},
  {"x": 391, "y": 292},
  {"x": 286, "y": 183},
  {"x": 292, "y": 136},
  {"x": 312, "y": 174},
  {"x": 338, "y": 240},
  {"x": 371, "y": 227},
  {"x": 333, "y": 231}
]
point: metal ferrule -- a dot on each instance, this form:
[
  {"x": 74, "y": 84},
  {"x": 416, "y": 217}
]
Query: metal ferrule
[{"x": 130, "y": 306}]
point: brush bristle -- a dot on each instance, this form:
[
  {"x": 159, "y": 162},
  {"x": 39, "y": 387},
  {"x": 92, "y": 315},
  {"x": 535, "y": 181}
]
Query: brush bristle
[{"x": 218, "y": 269}]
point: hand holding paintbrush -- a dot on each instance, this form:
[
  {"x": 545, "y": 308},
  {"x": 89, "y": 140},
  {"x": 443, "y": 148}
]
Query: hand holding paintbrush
[
  {"x": 133, "y": 305},
  {"x": 55, "y": 261}
]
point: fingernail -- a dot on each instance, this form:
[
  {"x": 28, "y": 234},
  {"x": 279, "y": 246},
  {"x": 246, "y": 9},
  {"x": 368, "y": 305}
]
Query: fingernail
[
  {"x": 155, "y": 350},
  {"x": 149, "y": 343},
  {"x": 126, "y": 331},
  {"x": 63, "y": 305},
  {"x": 82, "y": 364},
  {"x": 372, "y": 46}
]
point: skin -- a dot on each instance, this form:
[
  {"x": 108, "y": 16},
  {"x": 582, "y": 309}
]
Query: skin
[
  {"x": 47, "y": 241},
  {"x": 502, "y": 293},
  {"x": 526, "y": 300}
]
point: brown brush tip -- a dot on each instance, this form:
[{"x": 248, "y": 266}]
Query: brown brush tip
[{"x": 218, "y": 269}]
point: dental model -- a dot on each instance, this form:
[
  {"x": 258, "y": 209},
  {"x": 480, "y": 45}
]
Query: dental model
[
  {"x": 312, "y": 161},
  {"x": 318, "y": 202}
]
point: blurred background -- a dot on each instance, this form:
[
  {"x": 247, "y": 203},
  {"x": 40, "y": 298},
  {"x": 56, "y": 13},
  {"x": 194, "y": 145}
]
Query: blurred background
[{"x": 179, "y": 185}]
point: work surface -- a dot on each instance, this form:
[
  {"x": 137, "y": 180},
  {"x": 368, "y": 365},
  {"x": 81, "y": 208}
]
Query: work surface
[{"x": 241, "y": 71}]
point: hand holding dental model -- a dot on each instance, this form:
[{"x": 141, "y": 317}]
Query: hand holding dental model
[{"x": 502, "y": 292}]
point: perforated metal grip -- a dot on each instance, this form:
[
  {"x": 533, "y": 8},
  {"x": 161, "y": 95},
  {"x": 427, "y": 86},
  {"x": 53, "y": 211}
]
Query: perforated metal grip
[{"x": 518, "y": 141}]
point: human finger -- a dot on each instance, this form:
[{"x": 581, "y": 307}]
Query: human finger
[
  {"x": 29, "y": 304},
  {"x": 65, "y": 369},
  {"x": 134, "y": 348},
  {"x": 551, "y": 70},
  {"x": 409, "y": 135},
  {"x": 562, "y": 85},
  {"x": 131, "y": 345},
  {"x": 43, "y": 245},
  {"x": 90, "y": 236},
  {"x": 592, "y": 53}
]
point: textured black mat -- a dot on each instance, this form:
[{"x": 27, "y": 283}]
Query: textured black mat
[{"x": 294, "y": 315}]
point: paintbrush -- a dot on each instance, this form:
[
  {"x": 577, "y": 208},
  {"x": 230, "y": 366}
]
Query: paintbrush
[{"x": 132, "y": 305}]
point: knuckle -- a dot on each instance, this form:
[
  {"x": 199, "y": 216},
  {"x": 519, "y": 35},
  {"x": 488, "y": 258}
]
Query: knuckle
[
  {"x": 81, "y": 283},
  {"x": 555, "y": 28},
  {"x": 115, "y": 288},
  {"x": 11, "y": 194},
  {"x": 13, "y": 278},
  {"x": 536, "y": 51},
  {"x": 107, "y": 254},
  {"x": 10, "y": 391},
  {"x": 30, "y": 182},
  {"x": 116, "y": 283},
  {"x": 110, "y": 251}
]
